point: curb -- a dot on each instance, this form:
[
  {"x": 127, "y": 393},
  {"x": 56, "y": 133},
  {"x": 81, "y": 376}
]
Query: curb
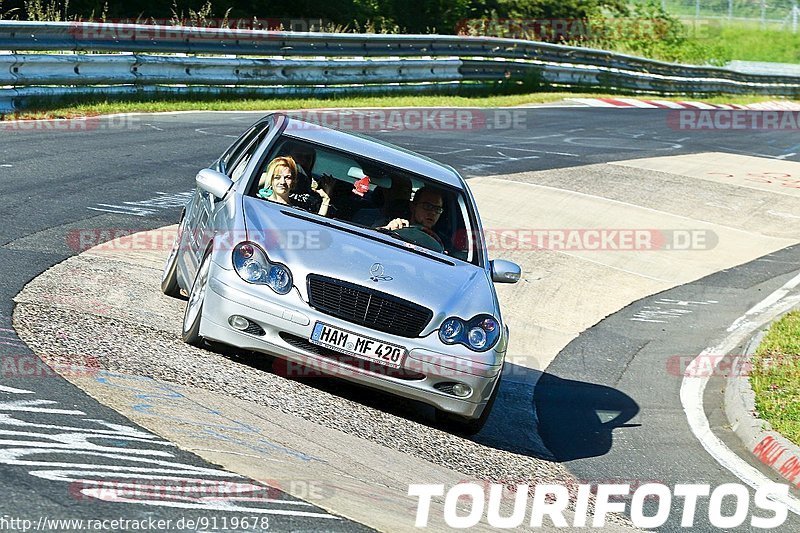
[
  {"x": 640, "y": 103},
  {"x": 769, "y": 447}
]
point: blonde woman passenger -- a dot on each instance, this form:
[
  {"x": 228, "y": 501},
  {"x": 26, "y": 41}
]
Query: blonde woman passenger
[{"x": 278, "y": 181}]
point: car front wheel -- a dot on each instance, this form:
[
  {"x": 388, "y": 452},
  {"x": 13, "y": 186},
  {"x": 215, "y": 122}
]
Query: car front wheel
[{"x": 194, "y": 307}]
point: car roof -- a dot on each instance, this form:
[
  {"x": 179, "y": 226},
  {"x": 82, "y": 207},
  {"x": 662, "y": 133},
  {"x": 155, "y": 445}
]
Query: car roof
[{"x": 374, "y": 149}]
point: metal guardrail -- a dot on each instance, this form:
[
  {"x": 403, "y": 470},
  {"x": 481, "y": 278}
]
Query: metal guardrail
[
  {"x": 372, "y": 60},
  {"x": 97, "y": 69}
]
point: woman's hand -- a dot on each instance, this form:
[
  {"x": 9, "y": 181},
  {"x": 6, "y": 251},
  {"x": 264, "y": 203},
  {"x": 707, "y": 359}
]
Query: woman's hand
[{"x": 324, "y": 189}]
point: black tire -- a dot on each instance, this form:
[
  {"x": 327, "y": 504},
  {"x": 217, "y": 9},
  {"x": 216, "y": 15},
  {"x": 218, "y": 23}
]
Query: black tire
[
  {"x": 467, "y": 426},
  {"x": 193, "y": 315},
  {"x": 169, "y": 279}
]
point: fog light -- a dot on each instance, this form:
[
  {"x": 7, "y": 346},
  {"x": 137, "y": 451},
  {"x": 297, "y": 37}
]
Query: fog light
[
  {"x": 238, "y": 322},
  {"x": 461, "y": 390}
]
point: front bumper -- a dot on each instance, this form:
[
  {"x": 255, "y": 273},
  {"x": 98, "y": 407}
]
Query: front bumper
[{"x": 288, "y": 321}]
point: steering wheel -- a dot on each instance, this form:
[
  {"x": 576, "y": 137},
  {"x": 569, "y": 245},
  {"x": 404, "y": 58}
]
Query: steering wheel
[{"x": 420, "y": 236}]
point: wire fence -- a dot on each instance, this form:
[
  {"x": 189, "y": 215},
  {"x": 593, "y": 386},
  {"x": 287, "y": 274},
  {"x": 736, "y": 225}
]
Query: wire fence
[{"x": 773, "y": 14}]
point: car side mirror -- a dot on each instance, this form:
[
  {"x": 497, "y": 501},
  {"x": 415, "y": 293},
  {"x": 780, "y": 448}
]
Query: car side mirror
[
  {"x": 505, "y": 271},
  {"x": 214, "y": 182}
]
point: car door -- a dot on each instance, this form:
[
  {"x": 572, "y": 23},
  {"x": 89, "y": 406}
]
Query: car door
[{"x": 201, "y": 208}]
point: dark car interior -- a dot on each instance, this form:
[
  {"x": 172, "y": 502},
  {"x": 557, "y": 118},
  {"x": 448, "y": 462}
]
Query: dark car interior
[{"x": 370, "y": 194}]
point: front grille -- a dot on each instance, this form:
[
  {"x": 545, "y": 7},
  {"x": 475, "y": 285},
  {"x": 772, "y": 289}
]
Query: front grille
[
  {"x": 367, "y": 307},
  {"x": 362, "y": 364}
]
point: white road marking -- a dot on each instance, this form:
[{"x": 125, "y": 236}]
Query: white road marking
[
  {"x": 700, "y": 105},
  {"x": 542, "y": 151},
  {"x": 782, "y": 215},
  {"x": 637, "y": 103},
  {"x": 685, "y": 303},
  {"x": 147, "y": 207},
  {"x": 606, "y": 142},
  {"x": 693, "y": 388},
  {"x": 784, "y": 156},
  {"x": 653, "y": 313},
  {"x": 204, "y": 132},
  {"x": 12, "y": 390},
  {"x": 594, "y": 102},
  {"x": 498, "y": 161},
  {"x": 16, "y": 344},
  {"x": 612, "y": 267},
  {"x": 753, "y": 154},
  {"x": 667, "y": 103},
  {"x": 720, "y": 206},
  {"x": 99, "y": 479},
  {"x": 5, "y": 165},
  {"x": 446, "y": 152}
]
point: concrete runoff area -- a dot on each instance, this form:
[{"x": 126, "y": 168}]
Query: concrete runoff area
[
  {"x": 567, "y": 288},
  {"x": 770, "y": 175},
  {"x": 321, "y": 447},
  {"x": 106, "y": 303}
]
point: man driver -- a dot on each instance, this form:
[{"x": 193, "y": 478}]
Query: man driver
[{"x": 425, "y": 209}]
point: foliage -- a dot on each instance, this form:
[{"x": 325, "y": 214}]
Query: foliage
[
  {"x": 640, "y": 28},
  {"x": 750, "y": 42},
  {"x": 6, "y": 13},
  {"x": 46, "y": 10},
  {"x": 202, "y": 17},
  {"x": 649, "y": 31}
]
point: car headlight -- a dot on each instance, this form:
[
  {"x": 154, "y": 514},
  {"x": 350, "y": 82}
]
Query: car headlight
[
  {"x": 451, "y": 330},
  {"x": 479, "y": 334},
  {"x": 253, "y": 266}
]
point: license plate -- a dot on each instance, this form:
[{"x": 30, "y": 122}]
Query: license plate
[{"x": 356, "y": 345}]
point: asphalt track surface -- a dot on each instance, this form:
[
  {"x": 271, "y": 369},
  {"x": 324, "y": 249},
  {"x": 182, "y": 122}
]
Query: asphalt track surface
[{"x": 55, "y": 180}]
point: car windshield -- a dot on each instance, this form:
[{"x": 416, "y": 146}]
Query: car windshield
[{"x": 373, "y": 196}]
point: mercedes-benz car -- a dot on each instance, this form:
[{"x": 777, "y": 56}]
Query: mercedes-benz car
[{"x": 369, "y": 292}]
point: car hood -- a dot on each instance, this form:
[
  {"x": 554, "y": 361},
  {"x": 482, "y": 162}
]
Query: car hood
[{"x": 310, "y": 245}]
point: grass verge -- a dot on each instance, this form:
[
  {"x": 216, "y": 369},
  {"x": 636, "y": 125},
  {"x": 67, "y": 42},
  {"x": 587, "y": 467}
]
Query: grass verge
[
  {"x": 748, "y": 41},
  {"x": 776, "y": 376},
  {"x": 92, "y": 106}
]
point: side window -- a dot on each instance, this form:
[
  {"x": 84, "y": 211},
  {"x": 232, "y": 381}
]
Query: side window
[
  {"x": 236, "y": 161},
  {"x": 235, "y": 148}
]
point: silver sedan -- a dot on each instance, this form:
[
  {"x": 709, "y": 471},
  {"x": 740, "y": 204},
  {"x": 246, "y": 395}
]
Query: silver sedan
[{"x": 348, "y": 257}]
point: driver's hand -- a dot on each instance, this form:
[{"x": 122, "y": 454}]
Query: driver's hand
[{"x": 397, "y": 224}]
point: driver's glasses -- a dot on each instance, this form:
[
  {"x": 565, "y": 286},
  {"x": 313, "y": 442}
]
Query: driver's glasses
[{"x": 427, "y": 206}]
